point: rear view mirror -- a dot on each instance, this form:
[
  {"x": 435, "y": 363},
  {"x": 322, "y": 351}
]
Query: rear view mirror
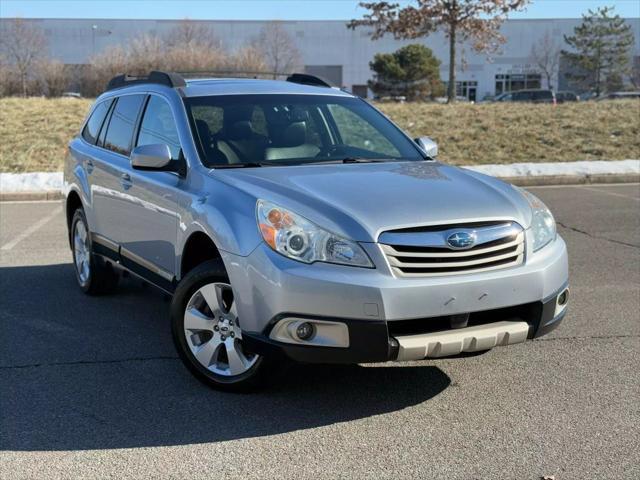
[
  {"x": 151, "y": 157},
  {"x": 428, "y": 146}
]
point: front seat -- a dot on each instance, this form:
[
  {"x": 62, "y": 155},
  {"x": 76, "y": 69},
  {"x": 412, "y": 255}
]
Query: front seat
[
  {"x": 292, "y": 144},
  {"x": 240, "y": 143}
]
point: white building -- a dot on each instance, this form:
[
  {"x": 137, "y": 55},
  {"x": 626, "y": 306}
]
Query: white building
[{"x": 339, "y": 54}]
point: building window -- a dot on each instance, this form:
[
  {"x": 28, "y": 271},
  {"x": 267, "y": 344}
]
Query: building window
[
  {"x": 466, "y": 89},
  {"x": 517, "y": 81}
]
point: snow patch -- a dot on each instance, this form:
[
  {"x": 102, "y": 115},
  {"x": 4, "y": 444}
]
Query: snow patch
[
  {"x": 561, "y": 168},
  {"x": 30, "y": 182},
  {"x": 48, "y": 181}
]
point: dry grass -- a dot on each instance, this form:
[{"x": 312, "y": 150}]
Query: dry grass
[
  {"x": 34, "y": 132},
  {"x": 508, "y": 132}
]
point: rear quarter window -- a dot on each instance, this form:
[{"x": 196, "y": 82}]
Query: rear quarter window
[{"x": 92, "y": 128}]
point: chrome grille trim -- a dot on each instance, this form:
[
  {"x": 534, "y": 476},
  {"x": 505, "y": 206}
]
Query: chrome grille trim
[{"x": 498, "y": 246}]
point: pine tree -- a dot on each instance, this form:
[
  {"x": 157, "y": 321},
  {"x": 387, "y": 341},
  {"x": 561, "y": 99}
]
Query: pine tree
[{"x": 600, "y": 49}]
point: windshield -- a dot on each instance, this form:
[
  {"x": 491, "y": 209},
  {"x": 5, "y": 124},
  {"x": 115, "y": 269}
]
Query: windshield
[{"x": 267, "y": 130}]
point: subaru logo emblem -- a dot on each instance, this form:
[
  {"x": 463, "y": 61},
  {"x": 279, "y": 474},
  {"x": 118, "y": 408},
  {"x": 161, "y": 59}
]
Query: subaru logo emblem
[{"x": 461, "y": 240}]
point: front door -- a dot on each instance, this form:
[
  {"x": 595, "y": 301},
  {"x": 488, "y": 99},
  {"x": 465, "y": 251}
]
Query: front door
[{"x": 150, "y": 220}]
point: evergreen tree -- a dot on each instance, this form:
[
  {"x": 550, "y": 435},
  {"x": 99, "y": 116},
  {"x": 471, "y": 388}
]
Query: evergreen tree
[
  {"x": 600, "y": 49},
  {"x": 411, "y": 71}
]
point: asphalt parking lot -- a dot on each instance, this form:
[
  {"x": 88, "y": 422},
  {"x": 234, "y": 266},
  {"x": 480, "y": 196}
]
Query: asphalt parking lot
[{"x": 92, "y": 387}]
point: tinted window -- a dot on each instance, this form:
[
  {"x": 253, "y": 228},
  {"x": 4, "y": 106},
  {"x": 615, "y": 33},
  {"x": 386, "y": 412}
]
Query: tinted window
[
  {"x": 91, "y": 129},
  {"x": 158, "y": 126},
  {"x": 542, "y": 95},
  {"x": 522, "y": 96},
  {"x": 122, "y": 123}
]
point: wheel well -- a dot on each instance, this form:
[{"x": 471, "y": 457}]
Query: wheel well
[
  {"x": 73, "y": 203},
  {"x": 198, "y": 249}
]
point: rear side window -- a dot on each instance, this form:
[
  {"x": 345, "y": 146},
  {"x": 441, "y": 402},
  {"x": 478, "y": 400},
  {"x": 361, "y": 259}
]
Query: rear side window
[
  {"x": 158, "y": 126},
  {"x": 92, "y": 128},
  {"x": 522, "y": 96},
  {"x": 543, "y": 95},
  {"x": 122, "y": 123}
]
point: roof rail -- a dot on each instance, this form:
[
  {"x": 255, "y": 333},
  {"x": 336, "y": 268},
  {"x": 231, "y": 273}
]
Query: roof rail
[
  {"x": 306, "y": 79},
  {"x": 169, "y": 79}
]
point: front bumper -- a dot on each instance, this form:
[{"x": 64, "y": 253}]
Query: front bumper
[{"x": 377, "y": 307}]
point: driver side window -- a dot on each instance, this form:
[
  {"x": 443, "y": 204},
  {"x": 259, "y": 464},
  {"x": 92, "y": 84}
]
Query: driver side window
[{"x": 158, "y": 126}]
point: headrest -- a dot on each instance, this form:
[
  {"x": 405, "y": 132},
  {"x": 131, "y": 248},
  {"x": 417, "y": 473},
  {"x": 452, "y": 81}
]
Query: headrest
[
  {"x": 294, "y": 135},
  {"x": 241, "y": 130},
  {"x": 203, "y": 127}
]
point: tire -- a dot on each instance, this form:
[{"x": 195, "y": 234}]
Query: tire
[
  {"x": 94, "y": 276},
  {"x": 208, "y": 335}
]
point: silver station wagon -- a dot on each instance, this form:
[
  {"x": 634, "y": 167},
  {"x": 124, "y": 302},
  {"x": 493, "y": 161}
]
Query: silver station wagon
[{"x": 290, "y": 219}]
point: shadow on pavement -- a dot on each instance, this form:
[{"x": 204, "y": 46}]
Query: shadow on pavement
[{"x": 82, "y": 373}]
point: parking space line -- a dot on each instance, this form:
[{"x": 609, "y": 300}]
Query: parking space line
[
  {"x": 612, "y": 193},
  {"x": 32, "y": 229}
]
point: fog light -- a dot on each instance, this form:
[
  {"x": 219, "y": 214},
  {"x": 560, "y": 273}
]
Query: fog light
[
  {"x": 563, "y": 297},
  {"x": 305, "y": 331}
]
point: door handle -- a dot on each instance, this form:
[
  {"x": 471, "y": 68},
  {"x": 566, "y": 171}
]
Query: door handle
[
  {"x": 89, "y": 166},
  {"x": 125, "y": 180}
]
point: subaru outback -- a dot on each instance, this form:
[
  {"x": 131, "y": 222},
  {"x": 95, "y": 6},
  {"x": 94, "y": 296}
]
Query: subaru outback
[{"x": 290, "y": 219}]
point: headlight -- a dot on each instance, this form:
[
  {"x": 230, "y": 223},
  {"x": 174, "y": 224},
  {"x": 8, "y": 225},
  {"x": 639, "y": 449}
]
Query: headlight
[
  {"x": 543, "y": 225},
  {"x": 296, "y": 237}
]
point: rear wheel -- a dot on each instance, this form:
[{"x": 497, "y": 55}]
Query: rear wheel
[
  {"x": 93, "y": 274},
  {"x": 207, "y": 332}
]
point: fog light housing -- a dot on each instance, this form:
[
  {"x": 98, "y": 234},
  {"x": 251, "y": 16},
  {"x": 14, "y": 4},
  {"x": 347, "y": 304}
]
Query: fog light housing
[
  {"x": 305, "y": 331},
  {"x": 563, "y": 297}
]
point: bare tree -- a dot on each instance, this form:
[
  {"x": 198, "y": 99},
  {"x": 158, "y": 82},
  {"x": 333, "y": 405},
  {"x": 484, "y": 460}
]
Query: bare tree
[
  {"x": 190, "y": 33},
  {"x": 546, "y": 56},
  {"x": 23, "y": 44},
  {"x": 279, "y": 49},
  {"x": 247, "y": 59},
  {"x": 52, "y": 77},
  {"x": 475, "y": 20}
]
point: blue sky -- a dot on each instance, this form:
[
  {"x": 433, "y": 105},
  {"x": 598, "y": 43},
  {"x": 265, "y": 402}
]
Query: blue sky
[{"x": 262, "y": 9}]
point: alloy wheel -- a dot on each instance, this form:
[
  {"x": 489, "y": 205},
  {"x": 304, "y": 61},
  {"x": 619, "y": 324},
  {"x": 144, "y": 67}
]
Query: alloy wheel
[
  {"x": 213, "y": 333},
  {"x": 82, "y": 256}
]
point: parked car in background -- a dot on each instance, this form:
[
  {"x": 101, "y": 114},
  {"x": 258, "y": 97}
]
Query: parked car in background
[
  {"x": 532, "y": 96},
  {"x": 291, "y": 218},
  {"x": 566, "y": 96},
  {"x": 619, "y": 95}
]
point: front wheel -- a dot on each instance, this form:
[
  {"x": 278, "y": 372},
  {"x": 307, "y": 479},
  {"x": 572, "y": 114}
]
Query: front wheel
[{"x": 207, "y": 332}]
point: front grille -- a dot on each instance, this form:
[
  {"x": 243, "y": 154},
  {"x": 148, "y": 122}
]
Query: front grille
[{"x": 426, "y": 253}]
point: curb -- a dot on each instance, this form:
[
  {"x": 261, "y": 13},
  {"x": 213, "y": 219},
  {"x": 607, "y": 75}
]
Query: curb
[
  {"x": 30, "y": 196},
  {"x": 542, "y": 180},
  {"x": 536, "y": 181}
]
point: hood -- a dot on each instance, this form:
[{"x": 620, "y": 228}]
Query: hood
[{"x": 360, "y": 201}]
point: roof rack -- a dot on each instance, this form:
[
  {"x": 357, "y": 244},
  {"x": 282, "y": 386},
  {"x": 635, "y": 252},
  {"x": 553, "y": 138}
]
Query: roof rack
[
  {"x": 306, "y": 79},
  {"x": 169, "y": 79}
]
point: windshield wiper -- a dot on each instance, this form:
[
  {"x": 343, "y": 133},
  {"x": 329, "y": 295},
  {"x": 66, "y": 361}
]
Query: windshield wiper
[
  {"x": 248, "y": 164},
  {"x": 366, "y": 160}
]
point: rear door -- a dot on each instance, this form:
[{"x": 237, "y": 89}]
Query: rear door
[
  {"x": 84, "y": 154},
  {"x": 111, "y": 182}
]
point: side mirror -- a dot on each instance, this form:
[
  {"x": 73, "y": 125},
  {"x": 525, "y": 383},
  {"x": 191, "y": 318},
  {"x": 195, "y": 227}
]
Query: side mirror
[
  {"x": 428, "y": 146},
  {"x": 151, "y": 157}
]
